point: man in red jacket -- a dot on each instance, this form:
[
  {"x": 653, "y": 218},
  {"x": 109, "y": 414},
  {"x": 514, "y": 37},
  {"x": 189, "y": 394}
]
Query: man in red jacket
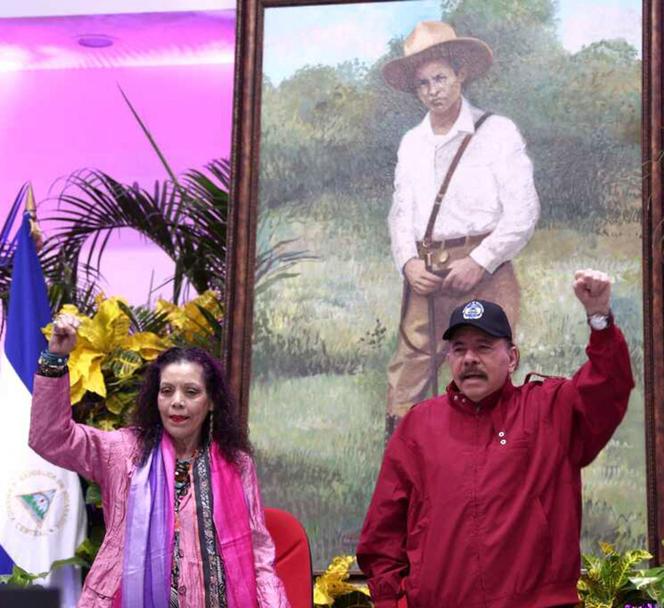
[{"x": 478, "y": 501}]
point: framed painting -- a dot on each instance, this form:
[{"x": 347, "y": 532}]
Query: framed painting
[{"x": 314, "y": 293}]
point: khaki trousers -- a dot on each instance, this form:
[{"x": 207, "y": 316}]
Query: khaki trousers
[{"x": 409, "y": 370}]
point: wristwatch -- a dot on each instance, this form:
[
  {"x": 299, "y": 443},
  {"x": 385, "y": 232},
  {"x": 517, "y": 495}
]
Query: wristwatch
[{"x": 598, "y": 321}]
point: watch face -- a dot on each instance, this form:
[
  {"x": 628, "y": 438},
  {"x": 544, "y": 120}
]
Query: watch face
[{"x": 598, "y": 321}]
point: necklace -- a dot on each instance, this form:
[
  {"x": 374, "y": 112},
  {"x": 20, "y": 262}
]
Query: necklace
[
  {"x": 182, "y": 477},
  {"x": 182, "y": 482}
]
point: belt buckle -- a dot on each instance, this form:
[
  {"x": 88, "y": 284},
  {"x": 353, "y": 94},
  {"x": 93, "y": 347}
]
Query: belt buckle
[{"x": 439, "y": 257}]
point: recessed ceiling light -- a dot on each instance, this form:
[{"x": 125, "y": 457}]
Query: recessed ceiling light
[{"x": 95, "y": 41}]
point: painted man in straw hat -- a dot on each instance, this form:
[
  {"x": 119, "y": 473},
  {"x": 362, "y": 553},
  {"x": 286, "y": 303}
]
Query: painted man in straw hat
[{"x": 475, "y": 166}]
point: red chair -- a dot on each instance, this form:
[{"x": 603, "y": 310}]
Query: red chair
[{"x": 293, "y": 557}]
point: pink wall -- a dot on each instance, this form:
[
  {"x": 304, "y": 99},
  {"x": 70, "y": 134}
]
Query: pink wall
[{"x": 53, "y": 122}]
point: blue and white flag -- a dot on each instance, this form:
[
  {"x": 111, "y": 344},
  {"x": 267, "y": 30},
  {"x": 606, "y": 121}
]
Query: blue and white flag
[{"x": 42, "y": 513}]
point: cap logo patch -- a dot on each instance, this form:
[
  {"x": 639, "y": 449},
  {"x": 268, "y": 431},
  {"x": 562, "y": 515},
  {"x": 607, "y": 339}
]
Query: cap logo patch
[{"x": 473, "y": 310}]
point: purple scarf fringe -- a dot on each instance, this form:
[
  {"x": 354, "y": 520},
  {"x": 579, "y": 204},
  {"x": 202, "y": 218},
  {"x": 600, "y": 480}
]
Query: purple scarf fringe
[{"x": 147, "y": 556}]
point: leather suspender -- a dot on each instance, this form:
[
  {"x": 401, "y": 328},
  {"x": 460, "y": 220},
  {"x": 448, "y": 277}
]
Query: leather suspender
[
  {"x": 448, "y": 178},
  {"x": 429, "y": 231}
]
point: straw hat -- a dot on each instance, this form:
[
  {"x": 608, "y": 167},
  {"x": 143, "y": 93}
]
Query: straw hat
[{"x": 435, "y": 40}]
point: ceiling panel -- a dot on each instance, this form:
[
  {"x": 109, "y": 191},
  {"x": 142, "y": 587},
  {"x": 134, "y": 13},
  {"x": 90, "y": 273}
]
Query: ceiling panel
[
  {"x": 120, "y": 40},
  {"x": 48, "y": 8}
]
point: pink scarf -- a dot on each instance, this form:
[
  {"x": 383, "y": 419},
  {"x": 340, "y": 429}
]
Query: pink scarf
[{"x": 150, "y": 518}]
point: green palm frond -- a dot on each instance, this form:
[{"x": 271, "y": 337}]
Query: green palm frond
[
  {"x": 149, "y": 136},
  {"x": 214, "y": 325},
  {"x": 145, "y": 319},
  {"x": 92, "y": 206},
  {"x": 206, "y": 208}
]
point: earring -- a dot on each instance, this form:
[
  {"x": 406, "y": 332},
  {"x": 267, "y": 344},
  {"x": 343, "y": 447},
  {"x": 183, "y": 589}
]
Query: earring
[{"x": 210, "y": 430}]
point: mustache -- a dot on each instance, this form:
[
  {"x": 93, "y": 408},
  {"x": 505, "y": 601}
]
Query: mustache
[{"x": 473, "y": 373}]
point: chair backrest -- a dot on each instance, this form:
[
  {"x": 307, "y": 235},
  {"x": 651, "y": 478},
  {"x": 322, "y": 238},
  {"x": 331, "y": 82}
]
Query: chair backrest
[{"x": 293, "y": 557}]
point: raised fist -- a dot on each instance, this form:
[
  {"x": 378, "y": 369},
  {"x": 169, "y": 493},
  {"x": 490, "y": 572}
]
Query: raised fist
[
  {"x": 63, "y": 338},
  {"x": 593, "y": 289}
]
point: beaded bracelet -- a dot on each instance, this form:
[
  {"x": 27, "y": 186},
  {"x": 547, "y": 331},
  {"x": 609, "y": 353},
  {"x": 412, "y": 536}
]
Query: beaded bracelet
[{"x": 52, "y": 365}]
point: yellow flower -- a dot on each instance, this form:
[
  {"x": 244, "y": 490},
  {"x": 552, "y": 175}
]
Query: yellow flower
[
  {"x": 101, "y": 340},
  {"x": 188, "y": 319},
  {"x": 333, "y": 582},
  {"x": 105, "y": 344},
  {"x": 107, "y": 328},
  {"x": 85, "y": 373},
  {"x": 174, "y": 313},
  {"x": 146, "y": 344}
]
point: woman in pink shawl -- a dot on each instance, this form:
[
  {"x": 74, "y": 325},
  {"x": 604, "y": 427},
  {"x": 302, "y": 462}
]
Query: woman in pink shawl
[{"x": 184, "y": 521}]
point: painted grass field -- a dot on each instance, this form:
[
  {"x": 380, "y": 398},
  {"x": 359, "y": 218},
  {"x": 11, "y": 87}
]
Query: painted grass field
[{"x": 323, "y": 339}]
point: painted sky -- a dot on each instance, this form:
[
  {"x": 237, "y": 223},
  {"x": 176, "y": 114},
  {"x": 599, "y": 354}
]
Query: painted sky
[{"x": 363, "y": 30}]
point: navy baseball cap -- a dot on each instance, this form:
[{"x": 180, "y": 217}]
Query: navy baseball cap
[{"x": 485, "y": 315}]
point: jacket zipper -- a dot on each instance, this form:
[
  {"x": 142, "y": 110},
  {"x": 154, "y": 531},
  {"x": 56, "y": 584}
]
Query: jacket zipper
[{"x": 476, "y": 516}]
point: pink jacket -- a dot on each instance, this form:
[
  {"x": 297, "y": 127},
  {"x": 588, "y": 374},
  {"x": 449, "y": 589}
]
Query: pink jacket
[{"x": 107, "y": 458}]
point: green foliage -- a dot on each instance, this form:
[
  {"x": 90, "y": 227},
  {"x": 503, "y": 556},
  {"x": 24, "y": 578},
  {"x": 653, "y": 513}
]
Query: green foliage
[
  {"x": 355, "y": 599},
  {"x": 650, "y": 581},
  {"x": 87, "y": 551},
  {"x": 93, "y": 495},
  {"x": 310, "y": 141},
  {"x": 606, "y": 582},
  {"x": 22, "y": 578},
  {"x": 186, "y": 220},
  {"x": 516, "y": 30},
  {"x": 319, "y": 441},
  {"x": 144, "y": 318}
]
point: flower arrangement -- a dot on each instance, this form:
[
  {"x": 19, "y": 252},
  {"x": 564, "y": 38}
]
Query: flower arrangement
[
  {"x": 333, "y": 589},
  {"x": 116, "y": 342}
]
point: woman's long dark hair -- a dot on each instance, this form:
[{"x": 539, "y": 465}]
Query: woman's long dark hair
[{"x": 227, "y": 432}]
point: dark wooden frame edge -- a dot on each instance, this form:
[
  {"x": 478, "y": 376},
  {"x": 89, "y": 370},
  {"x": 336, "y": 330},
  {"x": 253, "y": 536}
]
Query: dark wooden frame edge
[{"x": 653, "y": 269}]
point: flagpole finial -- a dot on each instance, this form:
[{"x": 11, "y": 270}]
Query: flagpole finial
[
  {"x": 31, "y": 209},
  {"x": 30, "y": 206}
]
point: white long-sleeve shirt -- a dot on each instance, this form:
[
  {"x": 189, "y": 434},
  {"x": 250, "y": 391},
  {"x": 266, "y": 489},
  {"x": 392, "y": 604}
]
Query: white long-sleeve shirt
[{"x": 492, "y": 190}]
